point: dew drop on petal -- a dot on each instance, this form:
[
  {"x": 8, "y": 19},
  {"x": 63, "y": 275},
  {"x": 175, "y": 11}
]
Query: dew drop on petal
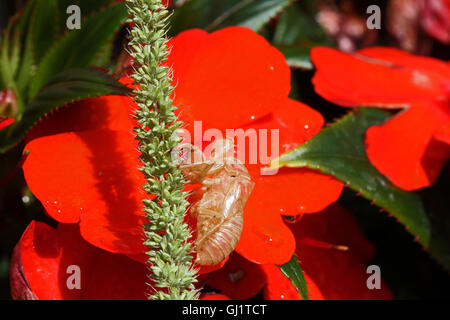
[
  {"x": 268, "y": 236},
  {"x": 292, "y": 219}
]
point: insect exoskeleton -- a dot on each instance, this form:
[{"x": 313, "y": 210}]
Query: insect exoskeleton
[{"x": 220, "y": 212}]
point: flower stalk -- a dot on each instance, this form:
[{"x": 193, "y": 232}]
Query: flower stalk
[{"x": 167, "y": 235}]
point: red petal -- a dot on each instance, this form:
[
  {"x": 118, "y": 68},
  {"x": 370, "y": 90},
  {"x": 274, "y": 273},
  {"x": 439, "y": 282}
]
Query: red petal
[
  {"x": 5, "y": 122},
  {"x": 109, "y": 112},
  {"x": 183, "y": 49},
  {"x": 229, "y": 77},
  {"x": 339, "y": 274},
  {"x": 403, "y": 149},
  {"x": 296, "y": 123},
  {"x": 443, "y": 134},
  {"x": 292, "y": 191},
  {"x": 209, "y": 269},
  {"x": 265, "y": 238},
  {"x": 404, "y": 59},
  {"x": 44, "y": 254},
  {"x": 239, "y": 279},
  {"x": 304, "y": 190},
  {"x": 279, "y": 287},
  {"x": 91, "y": 177},
  {"x": 353, "y": 80}
]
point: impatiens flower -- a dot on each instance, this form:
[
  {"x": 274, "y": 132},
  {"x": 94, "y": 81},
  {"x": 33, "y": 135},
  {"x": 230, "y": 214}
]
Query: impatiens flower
[
  {"x": 334, "y": 253},
  {"x": 241, "y": 279},
  {"x": 46, "y": 263},
  {"x": 83, "y": 160},
  {"x": 56, "y": 264},
  {"x": 408, "y": 148}
]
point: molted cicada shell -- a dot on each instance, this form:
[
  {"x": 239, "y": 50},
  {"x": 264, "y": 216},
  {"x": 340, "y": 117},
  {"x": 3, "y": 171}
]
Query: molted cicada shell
[{"x": 220, "y": 212}]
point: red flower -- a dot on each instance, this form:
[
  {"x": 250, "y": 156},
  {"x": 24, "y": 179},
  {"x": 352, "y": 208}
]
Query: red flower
[
  {"x": 411, "y": 148},
  {"x": 241, "y": 279},
  {"x": 340, "y": 274},
  {"x": 41, "y": 261},
  {"x": 41, "y": 266},
  {"x": 332, "y": 251},
  {"x": 83, "y": 159}
]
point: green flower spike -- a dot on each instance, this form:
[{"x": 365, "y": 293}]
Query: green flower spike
[{"x": 171, "y": 266}]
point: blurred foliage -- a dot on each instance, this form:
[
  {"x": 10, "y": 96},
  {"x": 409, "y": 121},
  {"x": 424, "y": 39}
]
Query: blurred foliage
[{"x": 42, "y": 60}]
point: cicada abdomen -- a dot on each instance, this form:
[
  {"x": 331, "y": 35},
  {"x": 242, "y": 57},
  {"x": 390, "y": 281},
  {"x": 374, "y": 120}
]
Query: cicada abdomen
[{"x": 220, "y": 212}]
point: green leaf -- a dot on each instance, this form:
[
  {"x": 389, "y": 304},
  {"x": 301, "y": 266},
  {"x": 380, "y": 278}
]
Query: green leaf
[
  {"x": 294, "y": 272},
  {"x": 297, "y": 32},
  {"x": 79, "y": 48},
  {"x": 339, "y": 151},
  {"x": 6, "y": 72},
  {"x": 27, "y": 60},
  {"x": 66, "y": 87},
  {"x": 297, "y": 57},
  {"x": 213, "y": 15},
  {"x": 12, "y": 56},
  {"x": 41, "y": 33},
  {"x": 43, "y": 27}
]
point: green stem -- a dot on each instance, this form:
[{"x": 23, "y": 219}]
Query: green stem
[{"x": 167, "y": 235}]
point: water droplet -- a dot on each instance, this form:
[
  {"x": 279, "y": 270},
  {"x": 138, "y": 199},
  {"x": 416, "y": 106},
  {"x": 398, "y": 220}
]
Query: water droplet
[
  {"x": 306, "y": 126},
  {"x": 272, "y": 68},
  {"x": 25, "y": 199},
  {"x": 252, "y": 117},
  {"x": 293, "y": 219},
  {"x": 269, "y": 236}
]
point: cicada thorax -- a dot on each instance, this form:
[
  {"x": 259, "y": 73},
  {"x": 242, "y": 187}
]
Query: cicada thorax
[{"x": 227, "y": 187}]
